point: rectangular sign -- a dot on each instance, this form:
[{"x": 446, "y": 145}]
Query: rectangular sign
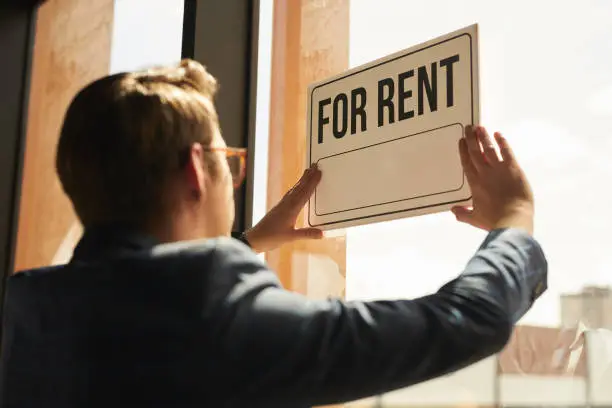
[{"x": 385, "y": 135}]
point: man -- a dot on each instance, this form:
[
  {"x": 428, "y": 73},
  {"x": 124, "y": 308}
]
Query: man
[{"x": 159, "y": 307}]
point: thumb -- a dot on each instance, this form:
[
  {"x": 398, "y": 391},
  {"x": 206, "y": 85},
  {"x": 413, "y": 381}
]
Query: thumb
[
  {"x": 307, "y": 233},
  {"x": 464, "y": 214}
]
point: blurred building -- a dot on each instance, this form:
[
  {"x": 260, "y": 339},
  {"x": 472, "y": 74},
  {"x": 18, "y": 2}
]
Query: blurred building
[
  {"x": 592, "y": 307},
  {"x": 540, "y": 367}
]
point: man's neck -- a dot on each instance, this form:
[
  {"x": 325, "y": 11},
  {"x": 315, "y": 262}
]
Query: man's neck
[{"x": 174, "y": 229}]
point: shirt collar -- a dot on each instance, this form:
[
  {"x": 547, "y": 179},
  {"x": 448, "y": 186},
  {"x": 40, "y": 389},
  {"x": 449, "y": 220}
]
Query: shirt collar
[{"x": 106, "y": 241}]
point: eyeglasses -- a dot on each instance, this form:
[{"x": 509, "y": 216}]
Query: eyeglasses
[{"x": 236, "y": 160}]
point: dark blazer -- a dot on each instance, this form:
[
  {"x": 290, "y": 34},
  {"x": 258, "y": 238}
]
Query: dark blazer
[{"x": 130, "y": 323}]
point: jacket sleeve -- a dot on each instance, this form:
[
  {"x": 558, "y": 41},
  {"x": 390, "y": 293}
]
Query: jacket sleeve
[{"x": 329, "y": 351}]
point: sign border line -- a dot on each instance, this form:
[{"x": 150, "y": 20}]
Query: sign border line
[{"x": 394, "y": 201}]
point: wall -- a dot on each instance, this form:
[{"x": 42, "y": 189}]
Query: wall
[
  {"x": 71, "y": 48},
  {"x": 305, "y": 48},
  {"x": 591, "y": 307}
]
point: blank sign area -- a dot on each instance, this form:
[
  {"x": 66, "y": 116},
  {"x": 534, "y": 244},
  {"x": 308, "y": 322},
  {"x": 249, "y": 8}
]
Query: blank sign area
[{"x": 404, "y": 169}]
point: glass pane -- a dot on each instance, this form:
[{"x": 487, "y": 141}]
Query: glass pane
[
  {"x": 146, "y": 33},
  {"x": 262, "y": 121},
  {"x": 546, "y": 82}
]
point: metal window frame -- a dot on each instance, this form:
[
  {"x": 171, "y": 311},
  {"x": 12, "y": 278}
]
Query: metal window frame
[
  {"x": 17, "y": 31},
  {"x": 224, "y": 37}
]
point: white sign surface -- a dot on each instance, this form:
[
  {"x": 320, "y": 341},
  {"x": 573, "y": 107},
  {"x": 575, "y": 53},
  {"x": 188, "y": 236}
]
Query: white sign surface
[{"x": 385, "y": 135}]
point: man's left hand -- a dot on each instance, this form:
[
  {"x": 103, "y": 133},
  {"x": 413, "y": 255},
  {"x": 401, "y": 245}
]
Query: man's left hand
[{"x": 277, "y": 227}]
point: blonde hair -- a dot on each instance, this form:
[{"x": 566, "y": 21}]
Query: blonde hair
[{"x": 123, "y": 137}]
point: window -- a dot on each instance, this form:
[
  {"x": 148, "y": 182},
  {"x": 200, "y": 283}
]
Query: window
[
  {"x": 158, "y": 39},
  {"x": 262, "y": 120},
  {"x": 546, "y": 83}
]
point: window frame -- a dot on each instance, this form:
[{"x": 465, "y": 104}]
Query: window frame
[
  {"x": 18, "y": 24},
  {"x": 224, "y": 37}
]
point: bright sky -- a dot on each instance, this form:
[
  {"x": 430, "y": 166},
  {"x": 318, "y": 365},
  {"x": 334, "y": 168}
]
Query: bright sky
[{"x": 546, "y": 82}]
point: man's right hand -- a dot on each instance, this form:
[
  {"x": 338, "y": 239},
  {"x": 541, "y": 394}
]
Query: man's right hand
[{"x": 501, "y": 194}]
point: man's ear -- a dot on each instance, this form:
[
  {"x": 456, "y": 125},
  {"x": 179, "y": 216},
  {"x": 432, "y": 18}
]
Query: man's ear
[{"x": 194, "y": 172}]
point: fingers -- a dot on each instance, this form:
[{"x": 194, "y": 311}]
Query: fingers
[
  {"x": 305, "y": 187},
  {"x": 464, "y": 214},
  {"x": 488, "y": 145},
  {"x": 504, "y": 148},
  {"x": 307, "y": 233},
  {"x": 298, "y": 184},
  {"x": 466, "y": 161},
  {"x": 473, "y": 148},
  {"x": 468, "y": 216}
]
